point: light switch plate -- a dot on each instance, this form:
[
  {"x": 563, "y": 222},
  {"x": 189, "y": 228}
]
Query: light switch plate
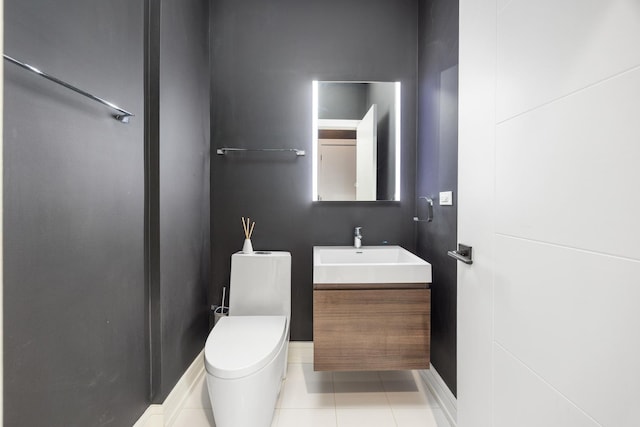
[{"x": 446, "y": 198}]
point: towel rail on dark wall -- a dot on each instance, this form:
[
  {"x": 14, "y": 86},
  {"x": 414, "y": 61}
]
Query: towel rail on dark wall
[
  {"x": 122, "y": 115},
  {"x": 224, "y": 150}
]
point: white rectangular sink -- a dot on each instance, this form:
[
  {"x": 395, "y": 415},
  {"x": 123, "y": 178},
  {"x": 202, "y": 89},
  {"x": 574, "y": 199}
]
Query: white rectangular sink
[{"x": 368, "y": 264}]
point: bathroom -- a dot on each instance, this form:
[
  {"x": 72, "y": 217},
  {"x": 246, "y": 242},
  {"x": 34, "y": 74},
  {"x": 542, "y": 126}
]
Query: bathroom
[{"x": 117, "y": 237}]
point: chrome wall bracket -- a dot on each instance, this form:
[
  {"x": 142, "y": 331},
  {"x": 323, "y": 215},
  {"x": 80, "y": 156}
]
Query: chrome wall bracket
[{"x": 429, "y": 206}]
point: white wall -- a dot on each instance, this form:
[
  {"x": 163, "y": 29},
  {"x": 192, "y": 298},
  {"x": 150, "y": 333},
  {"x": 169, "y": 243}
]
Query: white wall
[{"x": 566, "y": 272}]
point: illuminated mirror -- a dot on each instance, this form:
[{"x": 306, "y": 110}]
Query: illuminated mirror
[{"x": 356, "y": 141}]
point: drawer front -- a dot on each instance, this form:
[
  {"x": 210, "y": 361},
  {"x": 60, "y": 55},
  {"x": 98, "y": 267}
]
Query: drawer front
[{"x": 375, "y": 329}]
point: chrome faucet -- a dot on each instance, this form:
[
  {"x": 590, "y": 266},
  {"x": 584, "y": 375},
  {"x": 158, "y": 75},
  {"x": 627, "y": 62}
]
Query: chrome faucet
[{"x": 357, "y": 238}]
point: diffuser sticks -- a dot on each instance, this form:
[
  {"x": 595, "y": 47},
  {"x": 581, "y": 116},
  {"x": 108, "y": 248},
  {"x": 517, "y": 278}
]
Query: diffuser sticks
[
  {"x": 245, "y": 226},
  {"x": 248, "y": 231}
]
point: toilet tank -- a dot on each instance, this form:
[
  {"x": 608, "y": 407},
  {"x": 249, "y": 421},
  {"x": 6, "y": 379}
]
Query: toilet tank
[{"x": 260, "y": 284}]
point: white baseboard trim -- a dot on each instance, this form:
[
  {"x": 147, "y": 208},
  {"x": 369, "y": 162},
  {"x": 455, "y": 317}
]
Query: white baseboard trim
[
  {"x": 300, "y": 352},
  {"x": 165, "y": 414},
  {"x": 152, "y": 417},
  {"x": 439, "y": 388},
  {"x": 173, "y": 403}
]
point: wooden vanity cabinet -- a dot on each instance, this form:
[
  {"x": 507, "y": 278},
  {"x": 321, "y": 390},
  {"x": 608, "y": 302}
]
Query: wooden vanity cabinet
[{"x": 358, "y": 327}]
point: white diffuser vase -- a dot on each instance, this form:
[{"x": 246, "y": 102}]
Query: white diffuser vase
[{"x": 247, "y": 248}]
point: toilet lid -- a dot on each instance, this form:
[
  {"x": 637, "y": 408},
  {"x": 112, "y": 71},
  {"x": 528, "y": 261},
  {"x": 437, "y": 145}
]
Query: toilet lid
[{"x": 241, "y": 345}]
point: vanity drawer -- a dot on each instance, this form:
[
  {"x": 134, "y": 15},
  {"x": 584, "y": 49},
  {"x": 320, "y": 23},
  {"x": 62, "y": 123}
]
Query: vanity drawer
[{"x": 371, "y": 329}]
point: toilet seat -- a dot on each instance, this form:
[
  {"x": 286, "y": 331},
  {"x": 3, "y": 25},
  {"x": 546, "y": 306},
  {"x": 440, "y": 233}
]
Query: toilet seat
[{"x": 241, "y": 345}]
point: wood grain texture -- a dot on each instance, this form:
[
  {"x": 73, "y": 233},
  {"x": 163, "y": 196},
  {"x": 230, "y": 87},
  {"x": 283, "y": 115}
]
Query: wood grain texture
[{"x": 372, "y": 329}]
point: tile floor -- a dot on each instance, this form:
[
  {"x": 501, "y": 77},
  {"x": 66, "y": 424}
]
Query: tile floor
[{"x": 336, "y": 399}]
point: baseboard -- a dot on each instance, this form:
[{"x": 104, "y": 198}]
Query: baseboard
[
  {"x": 445, "y": 397},
  {"x": 166, "y": 413},
  {"x": 300, "y": 352},
  {"x": 183, "y": 387},
  {"x": 152, "y": 417}
]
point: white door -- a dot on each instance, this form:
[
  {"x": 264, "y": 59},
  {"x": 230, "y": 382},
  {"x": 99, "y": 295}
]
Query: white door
[
  {"x": 337, "y": 170},
  {"x": 476, "y": 199},
  {"x": 548, "y": 198},
  {"x": 366, "y": 155}
]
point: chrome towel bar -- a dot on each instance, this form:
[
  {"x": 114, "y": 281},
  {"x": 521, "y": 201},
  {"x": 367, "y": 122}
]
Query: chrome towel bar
[
  {"x": 122, "y": 114},
  {"x": 224, "y": 150}
]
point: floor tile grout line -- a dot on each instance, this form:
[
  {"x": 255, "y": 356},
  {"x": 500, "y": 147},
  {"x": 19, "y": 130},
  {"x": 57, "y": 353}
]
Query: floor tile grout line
[
  {"x": 386, "y": 395},
  {"x": 335, "y": 403}
]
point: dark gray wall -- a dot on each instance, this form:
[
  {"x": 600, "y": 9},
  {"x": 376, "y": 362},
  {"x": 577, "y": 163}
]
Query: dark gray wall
[
  {"x": 104, "y": 223},
  {"x": 264, "y": 56},
  {"x": 437, "y": 170},
  {"x": 74, "y": 302},
  {"x": 184, "y": 185}
]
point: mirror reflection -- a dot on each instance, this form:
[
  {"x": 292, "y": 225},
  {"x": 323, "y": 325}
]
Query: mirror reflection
[{"x": 356, "y": 141}]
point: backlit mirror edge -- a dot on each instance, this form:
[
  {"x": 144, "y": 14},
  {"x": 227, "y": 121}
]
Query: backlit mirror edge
[
  {"x": 398, "y": 141},
  {"x": 314, "y": 141}
]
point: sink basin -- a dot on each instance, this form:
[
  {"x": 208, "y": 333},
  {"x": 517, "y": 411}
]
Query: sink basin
[{"x": 369, "y": 264}]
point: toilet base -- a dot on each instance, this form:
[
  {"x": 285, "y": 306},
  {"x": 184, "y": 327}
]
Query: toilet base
[{"x": 248, "y": 401}]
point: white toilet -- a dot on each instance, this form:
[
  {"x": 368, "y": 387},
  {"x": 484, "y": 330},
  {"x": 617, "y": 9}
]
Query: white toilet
[{"x": 246, "y": 353}]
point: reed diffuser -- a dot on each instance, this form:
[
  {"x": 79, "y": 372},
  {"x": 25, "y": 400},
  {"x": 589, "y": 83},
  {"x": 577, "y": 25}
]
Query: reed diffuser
[{"x": 247, "y": 248}]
